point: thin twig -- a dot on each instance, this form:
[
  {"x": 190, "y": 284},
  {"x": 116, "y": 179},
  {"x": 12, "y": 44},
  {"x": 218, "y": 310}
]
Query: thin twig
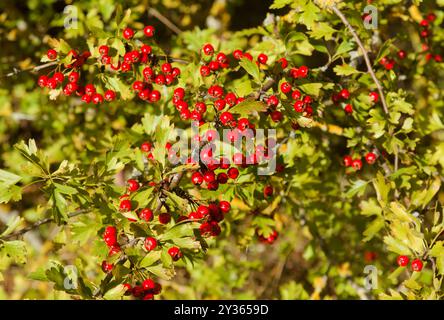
[
  {"x": 32, "y": 69},
  {"x": 42, "y": 222},
  {"x": 365, "y": 54},
  {"x": 153, "y": 12}
]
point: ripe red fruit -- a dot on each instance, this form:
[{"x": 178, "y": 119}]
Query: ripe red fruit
[
  {"x": 42, "y": 82},
  {"x": 150, "y": 243},
  {"x": 262, "y": 58},
  {"x": 268, "y": 191},
  {"x": 237, "y": 54},
  {"x": 285, "y": 87},
  {"x": 298, "y": 106},
  {"x": 205, "y": 71},
  {"x": 146, "y": 214},
  {"x": 431, "y": 17},
  {"x": 417, "y": 265},
  {"x": 149, "y": 31},
  {"x": 348, "y": 109},
  {"x": 203, "y": 211},
  {"x": 125, "y": 205},
  {"x": 103, "y": 50},
  {"x": 233, "y": 173},
  {"x": 209, "y": 176},
  {"x": 283, "y": 62},
  {"x": 148, "y": 284},
  {"x": 370, "y": 157},
  {"x": 145, "y": 147},
  {"x": 97, "y": 98},
  {"x": 208, "y": 49},
  {"x": 164, "y": 218},
  {"x": 347, "y": 160},
  {"x": 402, "y": 54},
  {"x": 220, "y": 104},
  {"x": 374, "y": 96},
  {"x": 146, "y": 49},
  {"x": 114, "y": 249},
  {"x": 110, "y": 231},
  {"x": 403, "y": 261},
  {"x": 166, "y": 67},
  {"x": 128, "y": 33},
  {"x": 303, "y": 72},
  {"x": 51, "y": 83},
  {"x": 226, "y": 117},
  {"x": 214, "y": 65},
  {"x": 51, "y": 54},
  {"x": 133, "y": 185},
  {"x": 58, "y": 76},
  {"x": 73, "y": 76},
  {"x": 107, "y": 267},
  {"x": 197, "y": 178},
  {"x": 222, "y": 178},
  {"x": 110, "y": 240},
  {"x": 175, "y": 253},
  {"x": 224, "y": 206},
  {"x": 86, "y": 98},
  {"x": 357, "y": 164},
  {"x": 424, "y": 23},
  {"x": 154, "y": 96},
  {"x": 276, "y": 116},
  {"x": 110, "y": 95},
  {"x": 345, "y": 94},
  {"x": 90, "y": 89},
  {"x": 272, "y": 101},
  {"x": 138, "y": 86},
  {"x": 128, "y": 288}
]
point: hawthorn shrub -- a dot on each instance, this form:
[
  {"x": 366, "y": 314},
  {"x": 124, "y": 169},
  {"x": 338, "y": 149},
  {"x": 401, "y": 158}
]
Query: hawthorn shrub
[{"x": 167, "y": 150}]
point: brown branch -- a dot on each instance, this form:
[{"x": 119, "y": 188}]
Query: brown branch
[
  {"x": 263, "y": 89},
  {"x": 153, "y": 12},
  {"x": 365, "y": 54},
  {"x": 41, "y": 222},
  {"x": 32, "y": 69}
]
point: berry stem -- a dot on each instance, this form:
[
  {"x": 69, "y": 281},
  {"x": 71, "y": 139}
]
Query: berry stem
[
  {"x": 365, "y": 54},
  {"x": 153, "y": 12},
  {"x": 32, "y": 69}
]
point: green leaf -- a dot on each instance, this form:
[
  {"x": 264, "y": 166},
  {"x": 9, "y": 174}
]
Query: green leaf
[
  {"x": 115, "y": 293},
  {"x": 251, "y": 68},
  {"x": 65, "y": 189},
  {"x": 179, "y": 231},
  {"x": 312, "y": 89},
  {"x": 8, "y": 178},
  {"x": 322, "y": 30},
  {"x": 278, "y": 4},
  {"x": 16, "y": 250},
  {"x": 345, "y": 70},
  {"x": 248, "y": 106},
  {"x": 151, "y": 258},
  {"x": 12, "y": 224},
  {"x": 59, "y": 208},
  {"x": 358, "y": 187},
  {"x": 161, "y": 272},
  {"x": 309, "y": 16},
  {"x": 143, "y": 197},
  {"x": 396, "y": 246}
]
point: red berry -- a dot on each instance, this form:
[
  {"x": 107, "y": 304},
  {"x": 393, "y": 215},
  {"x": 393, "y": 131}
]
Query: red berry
[
  {"x": 303, "y": 72},
  {"x": 370, "y": 157},
  {"x": 273, "y": 101},
  {"x": 214, "y": 65},
  {"x": 175, "y": 72},
  {"x": 224, "y": 206},
  {"x": 298, "y": 106},
  {"x": 345, "y": 94},
  {"x": 237, "y": 54},
  {"x": 164, "y": 218},
  {"x": 146, "y": 214},
  {"x": 431, "y": 17},
  {"x": 205, "y": 71},
  {"x": 276, "y": 116},
  {"x": 86, "y": 98},
  {"x": 110, "y": 95},
  {"x": 283, "y": 62},
  {"x": 97, "y": 98},
  {"x": 221, "y": 58},
  {"x": 347, "y": 160},
  {"x": 107, "y": 267},
  {"x": 208, "y": 49},
  {"x": 197, "y": 178},
  {"x": 285, "y": 87},
  {"x": 149, "y": 31},
  {"x": 148, "y": 284},
  {"x": 51, "y": 83},
  {"x": 90, "y": 89},
  {"x": 226, "y": 117},
  {"x": 403, "y": 261},
  {"x": 233, "y": 173},
  {"x": 348, "y": 108},
  {"x": 268, "y": 191},
  {"x": 175, "y": 253},
  {"x": 296, "y": 95},
  {"x": 138, "y": 86},
  {"x": 209, "y": 176},
  {"x": 110, "y": 240},
  {"x": 154, "y": 96},
  {"x": 402, "y": 54},
  {"x": 42, "y": 82},
  {"x": 51, "y": 54},
  {"x": 150, "y": 243},
  {"x": 133, "y": 185},
  {"x": 417, "y": 265},
  {"x": 103, "y": 50},
  {"x": 127, "y": 287},
  {"x": 73, "y": 76},
  {"x": 203, "y": 211},
  {"x": 146, "y": 49},
  {"x": 128, "y": 33},
  {"x": 357, "y": 164},
  {"x": 166, "y": 67},
  {"x": 145, "y": 147},
  {"x": 374, "y": 96},
  {"x": 179, "y": 92},
  {"x": 58, "y": 76},
  {"x": 248, "y": 56},
  {"x": 125, "y": 205},
  {"x": 262, "y": 58},
  {"x": 424, "y": 23}
]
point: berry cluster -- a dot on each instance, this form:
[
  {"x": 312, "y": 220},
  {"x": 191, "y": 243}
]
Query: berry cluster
[
  {"x": 270, "y": 239},
  {"x": 138, "y": 59},
  {"x": 356, "y": 163},
  {"x": 416, "y": 265}
]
